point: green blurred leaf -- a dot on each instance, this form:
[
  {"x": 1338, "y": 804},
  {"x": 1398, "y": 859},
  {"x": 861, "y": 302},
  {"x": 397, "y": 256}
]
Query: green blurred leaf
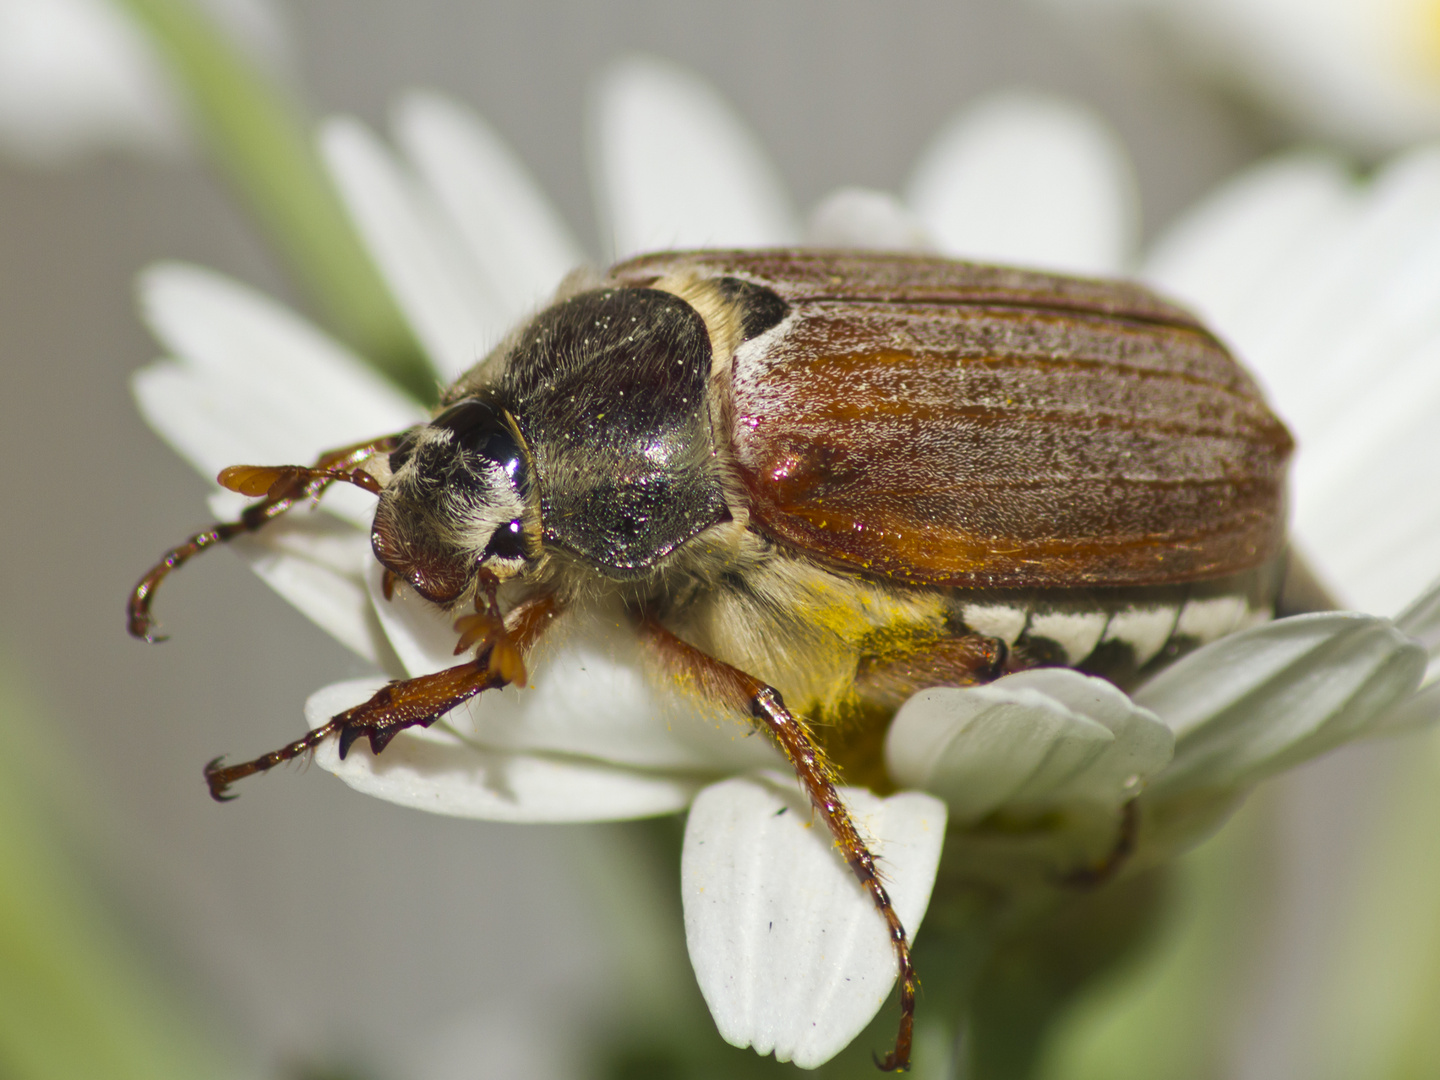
[
  {"x": 1163, "y": 1015},
  {"x": 1379, "y": 1011},
  {"x": 260, "y": 140},
  {"x": 1038, "y": 970},
  {"x": 76, "y": 1002}
]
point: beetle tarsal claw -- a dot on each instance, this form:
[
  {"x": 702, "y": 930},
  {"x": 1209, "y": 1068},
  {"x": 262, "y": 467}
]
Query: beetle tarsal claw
[{"x": 219, "y": 787}]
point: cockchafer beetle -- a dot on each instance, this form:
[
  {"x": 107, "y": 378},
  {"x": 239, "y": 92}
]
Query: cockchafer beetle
[{"x": 827, "y": 478}]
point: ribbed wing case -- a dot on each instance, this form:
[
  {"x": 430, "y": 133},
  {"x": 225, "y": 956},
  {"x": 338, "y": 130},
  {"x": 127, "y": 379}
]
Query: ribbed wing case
[{"x": 945, "y": 423}]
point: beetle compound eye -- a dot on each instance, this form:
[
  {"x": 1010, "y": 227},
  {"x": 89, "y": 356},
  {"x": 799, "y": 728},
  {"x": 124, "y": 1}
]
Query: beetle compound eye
[
  {"x": 401, "y": 454},
  {"x": 499, "y": 447},
  {"x": 480, "y": 429},
  {"x": 468, "y": 418},
  {"x": 507, "y": 543}
]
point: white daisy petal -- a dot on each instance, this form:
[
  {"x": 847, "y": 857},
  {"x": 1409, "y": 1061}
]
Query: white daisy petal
[
  {"x": 422, "y": 635},
  {"x": 1029, "y": 179},
  {"x": 516, "y": 238},
  {"x": 589, "y": 693},
  {"x": 1028, "y": 741},
  {"x": 1375, "y": 532},
  {"x": 676, "y": 167},
  {"x": 1388, "y": 282},
  {"x": 441, "y": 290},
  {"x": 1367, "y": 419},
  {"x": 1142, "y": 746},
  {"x": 309, "y": 392},
  {"x": 211, "y": 425},
  {"x": 1270, "y": 697},
  {"x": 437, "y": 771},
  {"x": 1225, "y": 251},
  {"x": 319, "y": 565},
  {"x": 1421, "y": 619},
  {"x": 856, "y": 217},
  {"x": 1328, "y": 293},
  {"x": 1420, "y": 710},
  {"x": 788, "y": 949},
  {"x": 79, "y": 75},
  {"x": 978, "y": 748}
]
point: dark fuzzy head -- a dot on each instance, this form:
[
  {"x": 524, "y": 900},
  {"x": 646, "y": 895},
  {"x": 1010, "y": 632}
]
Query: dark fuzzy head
[{"x": 457, "y": 501}]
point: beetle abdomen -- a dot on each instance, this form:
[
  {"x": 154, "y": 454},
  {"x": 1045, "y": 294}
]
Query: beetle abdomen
[{"x": 1123, "y": 633}]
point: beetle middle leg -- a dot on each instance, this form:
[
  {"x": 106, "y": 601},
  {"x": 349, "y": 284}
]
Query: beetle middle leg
[
  {"x": 764, "y": 705},
  {"x": 890, "y": 677},
  {"x": 280, "y": 488},
  {"x": 417, "y": 702}
]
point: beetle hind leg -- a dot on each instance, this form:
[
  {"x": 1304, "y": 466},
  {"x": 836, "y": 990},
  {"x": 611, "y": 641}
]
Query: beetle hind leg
[{"x": 764, "y": 704}]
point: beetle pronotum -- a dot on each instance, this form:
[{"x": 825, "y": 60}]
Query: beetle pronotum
[{"x": 826, "y": 478}]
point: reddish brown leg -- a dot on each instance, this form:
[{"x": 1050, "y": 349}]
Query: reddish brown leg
[
  {"x": 892, "y": 678},
  {"x": 744, "y": 692},
  {"x": 402, "y": 704},
  {"x": 1097, "y": 874},
  {"x": 281, "y": 487}
]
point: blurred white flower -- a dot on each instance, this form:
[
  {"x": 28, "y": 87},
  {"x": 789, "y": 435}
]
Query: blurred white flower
[
  {"x": 1330, "y": 289},
  {"x": 469, "y": 246},
  {"x": 79, "y": 76},
  {"x": 1363, "y": 71}
]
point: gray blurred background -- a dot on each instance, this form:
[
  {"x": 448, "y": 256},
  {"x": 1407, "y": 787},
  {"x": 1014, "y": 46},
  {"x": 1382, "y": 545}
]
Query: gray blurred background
[{"x": 307, "y": 923}]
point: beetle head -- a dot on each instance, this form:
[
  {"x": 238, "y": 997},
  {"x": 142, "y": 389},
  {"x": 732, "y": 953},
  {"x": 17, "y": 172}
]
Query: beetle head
[{"x": 456, "y": 502}]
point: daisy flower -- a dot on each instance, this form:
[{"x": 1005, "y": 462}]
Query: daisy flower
[
  {"x": 1012, "y": 785},
  {"x": 77, "y": 76},
  {"x": 1363, "y": 71}
]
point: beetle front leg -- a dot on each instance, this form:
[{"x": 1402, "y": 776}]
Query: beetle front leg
[
  {"x": 417, "y": 702},
  {"x": 762, "y": 702},
  {"x": 279, "y": 488},
  {"x": 393, "y": 708}
]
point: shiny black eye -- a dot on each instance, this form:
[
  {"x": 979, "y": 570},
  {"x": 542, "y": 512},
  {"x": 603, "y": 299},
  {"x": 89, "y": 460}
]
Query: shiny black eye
[
  {"x": 508, "y": 542},
  {"x": 481, "y": 430},
  {"x": 401, "y": 453}
]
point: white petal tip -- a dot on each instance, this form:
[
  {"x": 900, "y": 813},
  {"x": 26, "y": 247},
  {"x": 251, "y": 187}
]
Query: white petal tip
[
  {"x": 861, "y": 218},
  {"x": 1029, "y": 179},
  {"x": 790, "y": 953},
  {"x": 678, "y": 167}
]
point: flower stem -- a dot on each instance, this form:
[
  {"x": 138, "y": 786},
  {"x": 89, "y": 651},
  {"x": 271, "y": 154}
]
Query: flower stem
[{"x": 258, "y": 137}]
